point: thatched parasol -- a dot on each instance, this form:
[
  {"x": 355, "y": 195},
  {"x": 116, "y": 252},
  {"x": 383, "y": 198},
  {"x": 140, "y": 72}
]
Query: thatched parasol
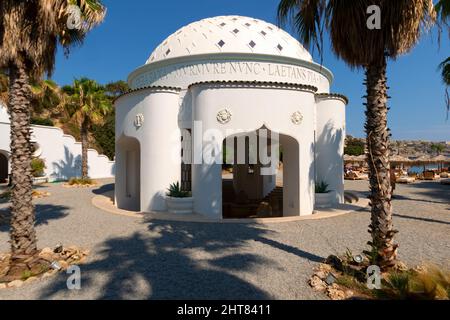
[
  {"x": 397, "y": 159},
  {"x": 440, "y": 159}
]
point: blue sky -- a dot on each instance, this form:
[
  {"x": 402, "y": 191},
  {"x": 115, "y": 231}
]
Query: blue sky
[{"x": 132, "y": 29}]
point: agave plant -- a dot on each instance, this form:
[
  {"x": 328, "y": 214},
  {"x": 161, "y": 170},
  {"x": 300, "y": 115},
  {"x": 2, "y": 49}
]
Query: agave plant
[
  {"x": 322, "y": 187},
  {"x": 176, "y": 192}
]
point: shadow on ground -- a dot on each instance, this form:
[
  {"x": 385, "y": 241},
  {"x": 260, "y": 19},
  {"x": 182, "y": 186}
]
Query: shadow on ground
[
  {"x": 432, "y": 192},
  {"x": 44, "y": 213},
  {"x": 104, "y": 189},
  {"x": 177, "y": 260}
]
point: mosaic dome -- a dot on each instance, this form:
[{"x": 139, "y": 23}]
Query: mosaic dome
[{"x": 229, "y": 34}]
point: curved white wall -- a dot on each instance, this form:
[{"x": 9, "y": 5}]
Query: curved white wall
[
  {"x": 61, "y": 152},
  {"x": 330, "y": 137},
  {"x": 251, "y": 108},
  {"x": 159, "y": 138}
]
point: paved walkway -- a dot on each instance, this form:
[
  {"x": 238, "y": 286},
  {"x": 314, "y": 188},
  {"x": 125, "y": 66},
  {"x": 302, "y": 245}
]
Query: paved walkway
[{"x": 133, "y": 258}]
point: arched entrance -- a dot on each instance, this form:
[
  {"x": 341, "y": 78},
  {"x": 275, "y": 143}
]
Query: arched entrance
[
  {"x": 128, "y": 171},
  {"x": 260, "y": 175},
  {"x": 3, "y": 167}
]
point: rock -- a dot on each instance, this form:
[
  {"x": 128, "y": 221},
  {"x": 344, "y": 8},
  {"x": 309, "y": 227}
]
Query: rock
[
  {"x": 317, "y": 284},
  {"x": 47, "y": 257},
  {"x": 15, "y": 284},
  {"x": 46, "y": 251},
  {"x": 321, "y": 274},
  {"x": 48, "y": 274},
  {"x": 335, "y": 293},
  {"x": 58, "y": 249},
  {"x": 400, "y": 266},
  {"x": 64, "y": 264},
  {"x": 349, "y": 294},
  {"x": 324, "y": 267},
  {"x": 31, "y": 279}
]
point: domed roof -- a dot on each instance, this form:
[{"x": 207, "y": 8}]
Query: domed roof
[{"x": 229, "y": 34}]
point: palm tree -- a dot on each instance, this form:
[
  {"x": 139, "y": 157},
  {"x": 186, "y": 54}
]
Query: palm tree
[
  {"x": 116, "y": 88},
  {"x": 4, "y": 87},
  {"x": 443, "y": 11},
  {"x": 45, "y": 97},
  {"x": 87, "y": 104},
  {"x": 346, "y": 22},
  {"x": 30, "y": 32}
]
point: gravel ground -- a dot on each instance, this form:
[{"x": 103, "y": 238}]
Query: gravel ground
[{"x": 136, "y": 259}]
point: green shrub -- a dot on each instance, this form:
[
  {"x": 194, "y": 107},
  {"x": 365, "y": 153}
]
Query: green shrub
[
  {"x": 37, "y": 167},
  {"x": 104, "y": 136},
  {"x": 5, "y": 195},
  {"x": 322, "y": 187},
  {"x": 42, "y": 121},
  {"x": 80, "y": 181},
  {"x": 176, "y": 192},
  {"x": 429, "y": 284}
]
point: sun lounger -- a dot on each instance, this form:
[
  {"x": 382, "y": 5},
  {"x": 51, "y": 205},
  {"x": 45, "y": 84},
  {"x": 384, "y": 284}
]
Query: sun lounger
[{"x": 405, "y": 179}]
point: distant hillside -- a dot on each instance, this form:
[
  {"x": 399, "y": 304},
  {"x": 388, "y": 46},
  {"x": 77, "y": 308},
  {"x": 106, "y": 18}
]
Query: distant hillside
[{"x": 409, "y": 148}]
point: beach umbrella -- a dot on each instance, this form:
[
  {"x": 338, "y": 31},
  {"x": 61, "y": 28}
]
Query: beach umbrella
[
  {"x": 440, "y": 160},
  {"x": 399, "y": 159}
]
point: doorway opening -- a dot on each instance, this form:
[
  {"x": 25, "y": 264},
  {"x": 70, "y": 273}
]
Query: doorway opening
[
  {"x": 3, "y": 168},
  {"x": 252, "y": 187}
]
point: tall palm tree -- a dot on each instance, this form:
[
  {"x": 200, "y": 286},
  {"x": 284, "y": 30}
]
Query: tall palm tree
[
  {"x": 86, "y": 104},
  {"x": 443, "y": 11},
  {"x": 30, "y": 32},
  {"x": 402, "y": 22},
  {"x": 4, "y": 87}
]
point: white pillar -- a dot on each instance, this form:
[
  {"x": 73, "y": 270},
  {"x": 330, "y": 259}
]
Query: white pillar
[
  {"x": 160, "y": 150},
  {"x": 330, "y": 136}
]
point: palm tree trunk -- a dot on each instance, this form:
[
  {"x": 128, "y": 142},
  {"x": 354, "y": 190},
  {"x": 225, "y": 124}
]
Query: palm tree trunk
[
  {"x": 84, "y": 149},
  {"x": 23, "y": 235},
  {"x": 384, "y": 251}
]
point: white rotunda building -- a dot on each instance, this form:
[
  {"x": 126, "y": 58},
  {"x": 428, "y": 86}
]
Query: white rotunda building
[{"x": 237, "y": 86}]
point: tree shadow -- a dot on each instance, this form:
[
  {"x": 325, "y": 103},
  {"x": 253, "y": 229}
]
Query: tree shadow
[
  {"x": 293, "y": 250},
  {"x": 175, "y": 260},
  {"x": 420, "y": 218},
  {"x": 106, "y": 188},
  {"x": 44, "y": 213},
  {"x": 439, "y": 193},
  {"x": 67, "y": 168}
]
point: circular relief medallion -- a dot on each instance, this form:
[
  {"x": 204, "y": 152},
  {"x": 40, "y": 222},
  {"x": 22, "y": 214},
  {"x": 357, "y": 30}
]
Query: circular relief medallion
[
  {"x": 223, "y": 116},
  {"x": 139, "y": 120},
  {"x": 297, "y": 118}
]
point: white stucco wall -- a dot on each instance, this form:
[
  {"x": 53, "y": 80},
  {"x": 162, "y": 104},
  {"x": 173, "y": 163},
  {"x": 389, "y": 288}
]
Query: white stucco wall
[
  {"x": 159, "y": 138},
  {"x": 251, "y": 108},
  {"x": 330, "y": 137},
  {"x": 61, "y": 153}
]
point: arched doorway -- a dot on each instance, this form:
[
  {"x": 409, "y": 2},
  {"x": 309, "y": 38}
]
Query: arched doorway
[
  {"x": 260, "y": 175},
  {"x": 3, "y": 168},
  {"x": 128, "y": 174}
]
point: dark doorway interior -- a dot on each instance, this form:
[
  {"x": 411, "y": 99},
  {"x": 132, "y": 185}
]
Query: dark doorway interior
[{"x": 3, "y": 168}]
